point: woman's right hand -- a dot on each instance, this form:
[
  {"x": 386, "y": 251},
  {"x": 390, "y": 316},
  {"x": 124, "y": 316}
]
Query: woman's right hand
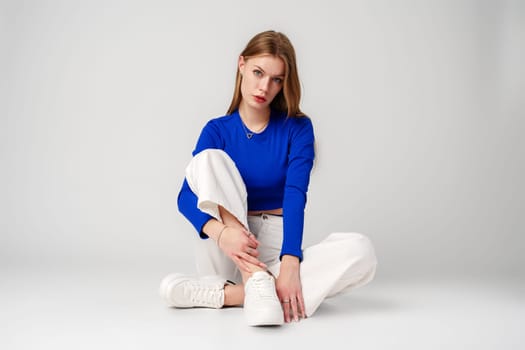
[{"x": 241, "y": 246}]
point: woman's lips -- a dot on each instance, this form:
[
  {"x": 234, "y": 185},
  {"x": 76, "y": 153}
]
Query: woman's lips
[{"x": 259, "y": 99}]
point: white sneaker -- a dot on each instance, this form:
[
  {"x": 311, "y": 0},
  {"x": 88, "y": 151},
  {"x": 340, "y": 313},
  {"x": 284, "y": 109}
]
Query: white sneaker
[
  {"x": 184, "y": 291},
  {"x": 261, "y": 304}
]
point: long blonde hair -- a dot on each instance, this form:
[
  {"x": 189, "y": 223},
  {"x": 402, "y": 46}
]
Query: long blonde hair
[{"x": 277, "y": 44}]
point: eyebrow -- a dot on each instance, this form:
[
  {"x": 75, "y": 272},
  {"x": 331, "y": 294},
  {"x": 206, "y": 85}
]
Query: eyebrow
[{"x": 275, "y": 76}]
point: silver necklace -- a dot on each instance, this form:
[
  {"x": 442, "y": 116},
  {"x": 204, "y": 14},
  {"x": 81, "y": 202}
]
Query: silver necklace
[{"x": 250, "y": 134}]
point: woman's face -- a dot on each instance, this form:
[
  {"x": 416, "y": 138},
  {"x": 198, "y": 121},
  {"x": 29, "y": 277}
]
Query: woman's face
[{"x": 262, "y": 79}]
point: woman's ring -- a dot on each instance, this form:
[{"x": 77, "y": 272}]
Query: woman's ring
[{"x": 285, "y": 301}]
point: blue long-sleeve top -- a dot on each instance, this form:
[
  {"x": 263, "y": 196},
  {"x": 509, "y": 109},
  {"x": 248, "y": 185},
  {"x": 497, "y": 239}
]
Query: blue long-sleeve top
[{"x": 274, "y": 164}]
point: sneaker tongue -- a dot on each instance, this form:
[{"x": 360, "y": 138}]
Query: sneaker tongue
[
  {"x": 263, "y": 282},
  {"x": 261, "y": 275}
]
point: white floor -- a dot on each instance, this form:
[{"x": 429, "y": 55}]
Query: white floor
[{"x": 115, "y": 308}]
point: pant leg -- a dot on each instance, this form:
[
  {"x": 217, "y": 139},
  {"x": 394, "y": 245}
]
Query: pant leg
[
  {"x": 339, "y": 263},
  {"x": 215, "y": 180},
  {"x": 210, "y": 260},
  {"x": 268, "y": 229}
]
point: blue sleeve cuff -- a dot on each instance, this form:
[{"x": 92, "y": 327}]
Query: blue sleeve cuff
[
  {"x": 187, "y": 204},
  {"x": 297, "y": 253}
]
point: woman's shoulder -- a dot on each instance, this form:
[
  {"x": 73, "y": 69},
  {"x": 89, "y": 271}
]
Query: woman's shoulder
[
  {"x": 214, "y": 132},
  {"x": 299, "y": 123},
  {"x": 221, "y": 121}
]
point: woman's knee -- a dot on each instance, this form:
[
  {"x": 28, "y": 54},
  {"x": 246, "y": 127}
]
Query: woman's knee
[{"x": 210, "y": 154}]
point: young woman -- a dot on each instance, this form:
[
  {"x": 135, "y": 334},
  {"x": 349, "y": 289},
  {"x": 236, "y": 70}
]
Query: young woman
[{"x": 245, "y": 192}]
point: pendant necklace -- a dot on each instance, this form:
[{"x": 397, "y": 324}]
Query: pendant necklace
[{"x": 249, "y": 134}]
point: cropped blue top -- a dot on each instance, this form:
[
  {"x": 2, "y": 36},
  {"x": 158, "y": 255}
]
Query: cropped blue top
[{"x": 274, "y": 164}]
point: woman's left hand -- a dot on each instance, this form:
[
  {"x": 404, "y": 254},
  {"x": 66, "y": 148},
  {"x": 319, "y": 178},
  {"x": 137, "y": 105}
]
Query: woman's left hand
[{"x": 289, "y": 289}]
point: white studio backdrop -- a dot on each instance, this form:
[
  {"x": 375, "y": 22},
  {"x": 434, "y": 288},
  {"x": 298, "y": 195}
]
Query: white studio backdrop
[{"x": 417, "y": 107}]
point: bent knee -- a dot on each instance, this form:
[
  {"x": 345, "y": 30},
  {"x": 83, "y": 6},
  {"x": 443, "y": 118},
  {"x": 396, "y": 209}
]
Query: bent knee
[
  {"x": 210, "y": 159},
  {"x": 212, "y": 153}
]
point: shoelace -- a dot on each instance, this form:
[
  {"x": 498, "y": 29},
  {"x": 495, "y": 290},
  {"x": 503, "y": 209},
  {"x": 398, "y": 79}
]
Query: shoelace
[
  {"x": 264, "y": 287},
  {"x": 202, "y": 294}
]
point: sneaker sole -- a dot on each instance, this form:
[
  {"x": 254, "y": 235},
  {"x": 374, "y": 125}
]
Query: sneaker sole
[{"x": 265, "y": 318}]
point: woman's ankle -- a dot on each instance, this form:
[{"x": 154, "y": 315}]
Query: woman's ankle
[
  {"x": 233, "y": 295},
  {"x": 246, "y": 275}
]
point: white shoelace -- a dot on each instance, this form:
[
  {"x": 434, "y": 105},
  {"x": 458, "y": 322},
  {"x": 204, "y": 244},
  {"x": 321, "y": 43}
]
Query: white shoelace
[
  {"x": 264, "y": 287},
  {"x": 202, "y": 294}
]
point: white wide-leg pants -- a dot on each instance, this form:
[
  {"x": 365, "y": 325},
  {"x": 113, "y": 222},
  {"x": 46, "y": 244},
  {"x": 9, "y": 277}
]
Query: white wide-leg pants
[{"x": 339, "y": 263}]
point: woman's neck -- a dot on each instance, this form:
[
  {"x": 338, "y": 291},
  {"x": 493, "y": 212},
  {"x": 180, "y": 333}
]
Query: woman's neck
[{"x": 254, "y": 118}]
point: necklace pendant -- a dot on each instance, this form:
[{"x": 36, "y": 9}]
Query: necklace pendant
[{"x": 249, "y": 135}]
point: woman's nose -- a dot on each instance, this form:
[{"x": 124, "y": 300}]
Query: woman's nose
[{"x": 263, "y": 84}]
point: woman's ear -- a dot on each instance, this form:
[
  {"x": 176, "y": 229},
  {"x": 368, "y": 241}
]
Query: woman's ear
[{"x": 242, "y": 64}]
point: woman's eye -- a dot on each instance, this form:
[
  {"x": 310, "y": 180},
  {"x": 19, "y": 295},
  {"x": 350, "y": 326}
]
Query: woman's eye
[
  {"x": 257, "y": 73},
  {"x": 277, "y": 80}
]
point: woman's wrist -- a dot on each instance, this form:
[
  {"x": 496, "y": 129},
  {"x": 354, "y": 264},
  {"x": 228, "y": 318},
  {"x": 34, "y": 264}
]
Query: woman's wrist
[
  {"x": 218, "y": 240},
  {"x": 213, "y": 229},
  {"x": 290, "y": 261}
]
